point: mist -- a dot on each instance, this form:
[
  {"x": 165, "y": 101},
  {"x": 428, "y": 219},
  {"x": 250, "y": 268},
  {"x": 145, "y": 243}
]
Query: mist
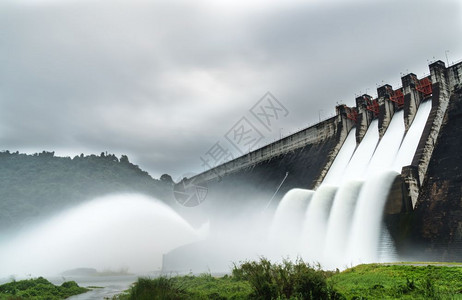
[{"x": 117, "y": 232}]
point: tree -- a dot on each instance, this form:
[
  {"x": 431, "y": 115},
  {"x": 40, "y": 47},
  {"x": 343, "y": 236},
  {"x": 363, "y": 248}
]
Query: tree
[
  {"x": 167, "y": 179},
  {"x": 124, "y": 159}
]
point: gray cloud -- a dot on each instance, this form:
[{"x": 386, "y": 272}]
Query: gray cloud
[{"x": 163, "y": 81}]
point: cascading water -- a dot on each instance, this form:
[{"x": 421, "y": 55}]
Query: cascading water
[
  {"x": 411, "y": 140},
  {"x": 344, "y": 225},
  {"x": 338, "y": 167},
  {"x": 287, "y": 224},
  {"x": 314, "y": 228},
  {"x": 363, "y": 154},
  {"x": 367, "y": 219},
  {"x": 388, "y": 147},
  {"x": 340, "y": 220}
]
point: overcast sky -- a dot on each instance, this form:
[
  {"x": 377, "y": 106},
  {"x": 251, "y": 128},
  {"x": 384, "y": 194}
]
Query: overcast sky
[{"x": 163, "y": 81}]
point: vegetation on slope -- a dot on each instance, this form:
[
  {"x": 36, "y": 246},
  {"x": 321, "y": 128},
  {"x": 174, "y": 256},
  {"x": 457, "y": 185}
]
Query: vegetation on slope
[
  {"x": 39, "y": 288},
  {"x": 33, "y": 186},
  {"x": 266, "y": 280}
]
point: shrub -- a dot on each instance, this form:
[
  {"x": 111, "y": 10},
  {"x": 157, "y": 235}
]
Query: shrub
[
  {"x": 39, "y": 288},
  {"x": 287, "y": 280},
  {"x": 161, "y": 288}
]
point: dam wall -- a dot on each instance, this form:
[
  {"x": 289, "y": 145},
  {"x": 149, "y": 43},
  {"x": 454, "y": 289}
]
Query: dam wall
[
  {"x": 306, "y": 156},
  {"x": 423, "y": 209},
  {"x": 299, "y": 161},
  {"x": 337, "y": 127}
]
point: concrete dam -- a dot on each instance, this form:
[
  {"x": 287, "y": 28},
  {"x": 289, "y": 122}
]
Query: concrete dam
[{"x": 379, "y": 181}]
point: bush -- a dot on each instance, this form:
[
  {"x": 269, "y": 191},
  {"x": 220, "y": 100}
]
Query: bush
[
  {"x": 285, "y": 281},
  {"x": 39, "y": 288},
  {"x": 161, "y": 288}
]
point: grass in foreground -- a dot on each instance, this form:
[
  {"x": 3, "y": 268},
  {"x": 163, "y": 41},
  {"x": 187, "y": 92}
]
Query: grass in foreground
[
  {"x": 188, "y": 287},
  {"x": 39, "y": 288},
  {"x": 376, "y": 281},
  {"x": 298, "y": 280},
  {"x": 250, "y": 280}
]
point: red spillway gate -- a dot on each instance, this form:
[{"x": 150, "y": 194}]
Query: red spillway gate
[
  {"x": 424, "y": 86},
  {"x": 397, "y": 96},
  {"x": 373, "y": 106},
  {"x": 352, "y": 114}
]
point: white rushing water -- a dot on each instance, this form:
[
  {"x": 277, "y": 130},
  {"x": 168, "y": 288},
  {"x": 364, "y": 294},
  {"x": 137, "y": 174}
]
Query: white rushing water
[
  {"x": 127, "y": 231},
  {"x": 288, "y": 220},
  {"x": 343, "y": 223},
  {"x": 367, "y": 220},
  {"x": 340, "y": 220},
  {"x": 338, "y": 167},
  {"x": 387, "y": 149},
  {"x": 315, "y": 225},
  {"x": 358, "y": 164},
  {"x": 412, "y": 138}
]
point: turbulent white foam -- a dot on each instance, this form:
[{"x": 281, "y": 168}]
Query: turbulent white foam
[{"x": 122, "y": 231}]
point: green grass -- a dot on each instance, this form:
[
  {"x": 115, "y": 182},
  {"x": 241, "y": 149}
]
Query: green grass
[
  {"x": 188, "y": 287},
  {"x": 426, "y": 263},
  {"x": 376, "y": 281},
  {"x": 297, "y": 280},
  {"x": 206, "y": 286},
  {"x": 39, "y": 288}
]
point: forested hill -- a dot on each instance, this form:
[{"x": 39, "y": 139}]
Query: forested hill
[{"x": 38, "y": 185}]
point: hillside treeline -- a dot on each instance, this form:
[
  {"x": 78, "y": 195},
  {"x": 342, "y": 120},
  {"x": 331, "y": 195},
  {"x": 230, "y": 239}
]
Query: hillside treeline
[{"x": 38, "y": 185}]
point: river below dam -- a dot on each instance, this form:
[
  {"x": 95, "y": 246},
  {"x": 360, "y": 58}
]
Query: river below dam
[{"x": 103, "y": 287}]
